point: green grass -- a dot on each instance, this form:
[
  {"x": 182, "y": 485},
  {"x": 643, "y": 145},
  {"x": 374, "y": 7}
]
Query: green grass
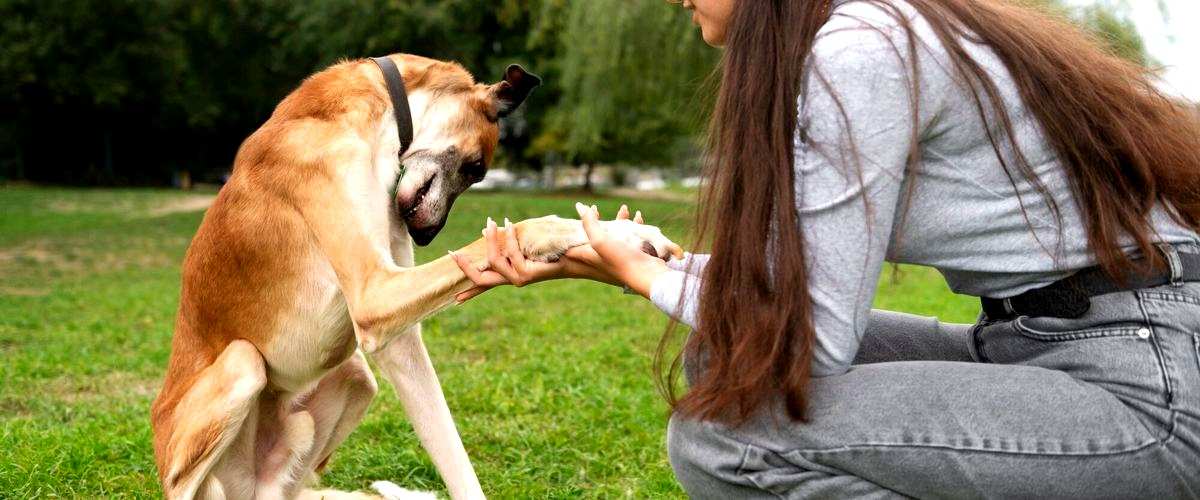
[{"x": 550, "y": 385}]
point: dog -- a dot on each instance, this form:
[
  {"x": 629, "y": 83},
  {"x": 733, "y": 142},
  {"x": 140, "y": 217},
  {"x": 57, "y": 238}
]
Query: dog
[{"x": 303, "y": 267}]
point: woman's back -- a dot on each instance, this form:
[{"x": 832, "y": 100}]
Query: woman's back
[{"x": 985, "y": 226}]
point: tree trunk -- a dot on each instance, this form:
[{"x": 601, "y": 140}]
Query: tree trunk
[
  {"x": 587, "y": 177},
  {"x": 110, "y": 176}
]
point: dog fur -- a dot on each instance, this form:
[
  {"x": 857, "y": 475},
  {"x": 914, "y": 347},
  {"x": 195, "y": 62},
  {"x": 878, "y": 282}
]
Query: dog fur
[{"x": 303, "y": 267}]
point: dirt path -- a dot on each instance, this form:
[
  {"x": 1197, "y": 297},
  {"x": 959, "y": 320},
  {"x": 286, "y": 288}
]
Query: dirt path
[
  {"x": 188, "y": 203},
  {"x": 652, "y": 195}
]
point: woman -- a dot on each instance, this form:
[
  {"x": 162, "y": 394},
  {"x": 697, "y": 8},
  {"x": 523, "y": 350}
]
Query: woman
[{"x": 979, "y": 137}]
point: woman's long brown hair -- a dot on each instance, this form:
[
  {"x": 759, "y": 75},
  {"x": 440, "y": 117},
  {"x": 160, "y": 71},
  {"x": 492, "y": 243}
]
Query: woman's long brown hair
[{"x": 1124, "y": 145}]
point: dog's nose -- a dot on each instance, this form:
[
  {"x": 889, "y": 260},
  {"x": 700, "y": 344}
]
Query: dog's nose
[{"x": 424, "y": 235}]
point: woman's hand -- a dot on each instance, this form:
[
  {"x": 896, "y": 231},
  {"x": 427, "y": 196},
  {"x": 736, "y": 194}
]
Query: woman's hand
[
  {"x": 630, "y": 266},
  {"x": 507, "y": 264}
]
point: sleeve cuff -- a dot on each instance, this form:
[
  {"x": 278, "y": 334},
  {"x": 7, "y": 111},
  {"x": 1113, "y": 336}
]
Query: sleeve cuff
[
  {"x": 666, "y": 290},
  {"x": 691, "y": 263}
]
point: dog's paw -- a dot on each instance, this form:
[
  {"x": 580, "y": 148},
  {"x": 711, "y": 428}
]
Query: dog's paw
[
  {"x": 547, "y": 239},
  {"x": 391, "y": 491},
  {"x": 649, "y": 238}
]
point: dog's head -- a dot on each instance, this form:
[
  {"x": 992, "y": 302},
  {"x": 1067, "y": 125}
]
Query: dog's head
[{"x": 456, "y": 123}]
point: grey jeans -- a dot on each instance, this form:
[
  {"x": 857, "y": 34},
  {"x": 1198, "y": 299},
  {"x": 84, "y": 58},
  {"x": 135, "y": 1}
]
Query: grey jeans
[{"x": 1104, "y": 406}]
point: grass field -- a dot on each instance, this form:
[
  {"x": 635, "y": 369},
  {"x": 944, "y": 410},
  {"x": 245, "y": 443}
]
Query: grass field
[{"x": 550, "y": 385}]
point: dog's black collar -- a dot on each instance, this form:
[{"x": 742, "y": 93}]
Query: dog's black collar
[{"x": 395, "y": 87}]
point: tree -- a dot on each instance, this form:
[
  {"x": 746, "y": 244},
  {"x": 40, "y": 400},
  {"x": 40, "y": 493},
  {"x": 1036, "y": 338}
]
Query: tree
[
  {"x": 127, "y": 91},
  {"x": 1105, "y": 21},
  {"x": 73, "y": 79},
  {"x": 141, "y": 88},
  {"x": 630, "y": 72}
]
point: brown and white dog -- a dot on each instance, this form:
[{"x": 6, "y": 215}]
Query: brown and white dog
[{"x": 304, "y": 263}]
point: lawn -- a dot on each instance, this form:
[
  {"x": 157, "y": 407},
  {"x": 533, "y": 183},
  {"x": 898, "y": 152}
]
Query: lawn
[{"x": 550, "y": 385}]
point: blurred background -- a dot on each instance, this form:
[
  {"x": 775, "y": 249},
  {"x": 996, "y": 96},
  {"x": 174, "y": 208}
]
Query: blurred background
[
  {"x": 162, "y": 92},
  {"x": 120, "y": 118}
]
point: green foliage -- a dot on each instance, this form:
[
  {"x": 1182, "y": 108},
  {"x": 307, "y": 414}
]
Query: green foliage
[
  {"x": 141, "y": 88},
  {"x": 1104, "y": 22},
  {"x": 550, "y": 385},
  {"x": 128, "y": 91},
  {"x": 630, "y": 75},
  {"x": 1117, "y": 32}
]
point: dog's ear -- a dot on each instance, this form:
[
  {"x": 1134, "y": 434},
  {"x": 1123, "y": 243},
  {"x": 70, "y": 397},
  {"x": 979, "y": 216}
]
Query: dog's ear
[{"x": 513, "y": 89}]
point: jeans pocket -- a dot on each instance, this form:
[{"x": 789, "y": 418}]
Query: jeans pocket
[
  {"x": 1031, "y": 328},
  {"x": 1112, "y": 347}
]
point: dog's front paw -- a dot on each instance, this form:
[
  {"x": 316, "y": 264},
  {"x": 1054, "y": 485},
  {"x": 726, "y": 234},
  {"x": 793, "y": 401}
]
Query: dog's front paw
[
  {"x": 649, "y": 238},
  {"x": 547, "y": 239}
]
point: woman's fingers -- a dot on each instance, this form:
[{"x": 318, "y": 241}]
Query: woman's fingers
[
  {"x": 637, "y": 218},
  {"x": 623, "y": 212},
  {"x": 497, "y": 259},
  {"x": 486, "y": 278},
  {"x": 512, "y": 252},
  {"x": 464, "y": 264},
  {"x": 597, "y": 235},
  {"x": 489, "y": 236},
  {"x": 504, "y": 254},
  {"x": 506, "y": 263},
  {"x": 590, "y": 217},
  {"x": 483, "y": 280}
]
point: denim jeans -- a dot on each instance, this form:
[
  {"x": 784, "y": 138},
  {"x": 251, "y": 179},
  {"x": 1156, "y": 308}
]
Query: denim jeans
[{"x": 1103, "y": 406}]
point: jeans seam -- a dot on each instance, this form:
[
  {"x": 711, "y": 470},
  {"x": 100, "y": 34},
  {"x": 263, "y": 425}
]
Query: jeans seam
[
  {"x": 1138, "y": 447},
  {"x": 1162, "y": 362},
  {"x": 1171, "y": 297},
  {"x": 741, "y": 468},
  {"x": 1091, "y": 333},
  {"x": 975, "y": 351},
  {"x": 1196, "y": 349}
]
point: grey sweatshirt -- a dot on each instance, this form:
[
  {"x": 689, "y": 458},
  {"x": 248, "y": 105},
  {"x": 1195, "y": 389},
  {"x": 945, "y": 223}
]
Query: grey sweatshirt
[{"x": 964, "y": 217}]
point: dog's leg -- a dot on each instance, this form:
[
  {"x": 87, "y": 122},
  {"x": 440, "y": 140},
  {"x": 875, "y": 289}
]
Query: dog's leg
[
  {"x": 384, "y": 299},
  {"x": 310, "y": 427},
  {"x": 339, "y": 403},
  {"x": 209, "y": 417},
  {"x": 405, "y": 363},
  {"x": 279, "y": 471}
]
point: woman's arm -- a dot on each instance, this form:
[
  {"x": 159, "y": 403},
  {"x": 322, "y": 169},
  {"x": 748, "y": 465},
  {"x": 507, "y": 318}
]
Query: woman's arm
[
  {"x": 855, "y": 132},
  {"x": 670, "y": 287},
  {"x": 682, "y": 279},
  {"x": 691, "y": 263},
  {"x": 621, "y": 264},
  {"x": 863, "y": 113}
]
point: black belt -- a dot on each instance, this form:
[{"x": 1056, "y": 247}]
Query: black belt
[{"x": 1070, "y": 297}]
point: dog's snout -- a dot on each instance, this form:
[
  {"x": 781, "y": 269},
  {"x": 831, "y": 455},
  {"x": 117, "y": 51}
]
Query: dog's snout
[{"x": 425, "y": 235}]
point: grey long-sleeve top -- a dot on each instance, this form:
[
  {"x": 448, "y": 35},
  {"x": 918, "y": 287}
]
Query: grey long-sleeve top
[{"x": 964, "y": 217}]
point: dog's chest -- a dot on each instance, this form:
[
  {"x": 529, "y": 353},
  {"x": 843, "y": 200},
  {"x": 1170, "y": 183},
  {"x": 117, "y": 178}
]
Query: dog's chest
[{"x": 314, "y": 334}]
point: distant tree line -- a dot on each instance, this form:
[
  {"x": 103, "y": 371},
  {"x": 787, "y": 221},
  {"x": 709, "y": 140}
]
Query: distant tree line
[{"x": 131, "y": 91}]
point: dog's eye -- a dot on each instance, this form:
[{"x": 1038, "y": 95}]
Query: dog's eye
[{"x": 474, "y": 170}]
